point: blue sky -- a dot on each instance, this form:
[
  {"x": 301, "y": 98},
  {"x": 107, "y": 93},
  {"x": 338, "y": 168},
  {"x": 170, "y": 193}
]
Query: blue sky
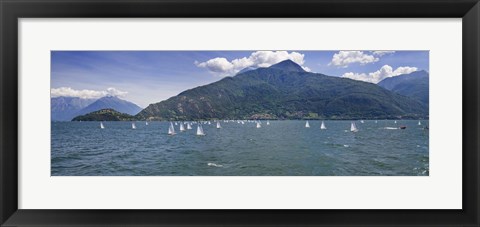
[{"x": 146, "y": 77}]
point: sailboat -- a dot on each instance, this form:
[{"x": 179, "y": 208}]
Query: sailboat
[
  {"x": 176, "y": 124},
  {"x": 323, "y": 126},
  {"x": 101, "y": 125},
  {"x": 200, "y": 130},
  {"x": 362, "y": 121},
  {"x": 182, "y": 128},
  {"x": 268, "y": 122},
  {"x": 307, "y": 125},
  {"x": 189, "y": 126},
  {"x": 146, "y": 122},
  {"x": 395, "y": 122},
  {"x": 209, "y": 122},
  {"x": 258, "y": 124},
  {"x": 419, "y": 123},
  {"x": 133, "y": 125},
  {"x": 353, "y": 127},
  {"x": 218, "y": 124},
  {"x": 171, "y": 130}
]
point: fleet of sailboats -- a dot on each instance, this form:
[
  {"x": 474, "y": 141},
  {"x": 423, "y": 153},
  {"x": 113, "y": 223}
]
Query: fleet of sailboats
[{"x": 184, "y": 126}]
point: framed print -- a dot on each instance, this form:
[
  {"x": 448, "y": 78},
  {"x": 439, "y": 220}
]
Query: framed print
[{"x": 239, "y": 113}]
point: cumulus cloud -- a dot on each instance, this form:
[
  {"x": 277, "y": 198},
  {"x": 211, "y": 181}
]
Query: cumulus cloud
[
  {"x": 86, "y": 94},
  {"x": 377, "y": 76},
  {"x": 223, "y": 67},
  {"x": 381, "y": 53},
  {"x": 344, "y": 58}
]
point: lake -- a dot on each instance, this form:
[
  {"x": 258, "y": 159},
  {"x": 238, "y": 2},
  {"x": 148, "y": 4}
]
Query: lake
[{"x": 283, "y": 148}]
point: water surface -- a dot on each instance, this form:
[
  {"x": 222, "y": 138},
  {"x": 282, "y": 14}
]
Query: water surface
[{"x": 283, "y": 148}]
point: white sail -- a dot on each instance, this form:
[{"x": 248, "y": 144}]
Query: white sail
[
  {"x": 258, "y": 124},
  {"x": 133, "y": 126},
  {"x": 176, "y": 124},
  {"x": 182, "y": 128},
  {"x": 307, "y": 125},
  {"x": 362, "y": 121},
  {"x": 395, "y": 122},
  {"x": 189, "y": 126},
  {"x": 268, "y": 122},
  {"x": 146, "y": 122},
  {"x": 171, "y": 129},
  {"x": 101, "y": 125},
  {"x": 209, "y": 122},
  {"x": 200, "y": 130},
  {"x": 353, "y": 127},
  {"x": 218, "y": 124},
  {"x": 419, "y": 123},
  {"x": 323, "y": 126}
]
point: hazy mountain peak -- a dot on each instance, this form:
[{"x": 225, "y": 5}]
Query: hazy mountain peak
[
  {"x": 250, "y": 68},
  {"x": 288, "y": 65}
]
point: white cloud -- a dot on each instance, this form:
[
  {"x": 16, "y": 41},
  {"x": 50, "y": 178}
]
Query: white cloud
[
  {"x": 379, "y": 75},
  {"x": 344, "y": 58},
  {"x": 381, "y": 53},
  {"x": 85, "y": 94},
  {"x": 223, "y": 67}
]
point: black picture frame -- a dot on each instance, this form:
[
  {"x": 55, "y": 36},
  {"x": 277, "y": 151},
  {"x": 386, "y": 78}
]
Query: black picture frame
[{"x": 12, "y": 10}]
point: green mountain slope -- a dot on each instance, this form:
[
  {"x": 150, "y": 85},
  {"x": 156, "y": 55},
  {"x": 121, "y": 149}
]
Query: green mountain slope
[
  {"x": 105, "y": 115},
  {"x": 284, "y": 91},
  {"x": 414, "y": 85}
]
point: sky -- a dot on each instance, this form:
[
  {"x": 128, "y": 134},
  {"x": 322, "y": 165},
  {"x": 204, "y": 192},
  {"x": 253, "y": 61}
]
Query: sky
[{"x": 146, "y": 77}]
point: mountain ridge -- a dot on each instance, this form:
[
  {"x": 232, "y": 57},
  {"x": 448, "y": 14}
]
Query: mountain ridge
[
  {"x": 414, "y": 85},
  {"x": 284, "y": 91}
]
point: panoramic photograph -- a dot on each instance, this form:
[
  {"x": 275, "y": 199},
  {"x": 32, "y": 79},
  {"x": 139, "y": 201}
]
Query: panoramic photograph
[{"x": 240, "y": 113}]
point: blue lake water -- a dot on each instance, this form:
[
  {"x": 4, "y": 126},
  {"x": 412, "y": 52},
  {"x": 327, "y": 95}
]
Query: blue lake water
[{"x": 283, "y": 148}]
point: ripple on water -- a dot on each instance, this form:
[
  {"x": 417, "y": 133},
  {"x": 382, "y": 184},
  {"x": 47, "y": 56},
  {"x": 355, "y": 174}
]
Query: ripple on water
[{"x": 282, "y": 148}]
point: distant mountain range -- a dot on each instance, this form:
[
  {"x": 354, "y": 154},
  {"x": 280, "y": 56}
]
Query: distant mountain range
[
  {"x": 414, "y": 85},
  {"x": 285, "y": 91},
  {"x": 66, "y": 108}
]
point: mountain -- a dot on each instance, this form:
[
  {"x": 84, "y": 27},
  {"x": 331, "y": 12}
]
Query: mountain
[
  {"x": 104, "y": 115},
  {"x": 414, "y": 85},
  {"x": 111, "y": 102},
  {"x": 285, "y": 91},
  {"x": 287, "y": 65},
  {"x": 65, "y": 108},
  {"x": 250, "y": 68}
]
